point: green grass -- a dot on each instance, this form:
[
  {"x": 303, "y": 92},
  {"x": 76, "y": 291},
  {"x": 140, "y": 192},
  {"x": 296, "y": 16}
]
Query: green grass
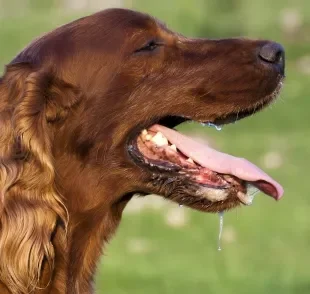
[{"x": 269, "y": 251}]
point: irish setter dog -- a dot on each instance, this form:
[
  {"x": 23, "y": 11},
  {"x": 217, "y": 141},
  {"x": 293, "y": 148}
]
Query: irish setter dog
[{"x": 87, "y": 115}]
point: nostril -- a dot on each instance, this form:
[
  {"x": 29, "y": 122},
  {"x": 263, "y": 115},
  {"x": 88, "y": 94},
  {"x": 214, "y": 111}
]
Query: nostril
[
  {"x": 273, "y": 53},
  {"x": 278, "y": 57}
]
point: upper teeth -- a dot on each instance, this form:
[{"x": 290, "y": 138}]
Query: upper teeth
[
  {"x": 190, "y": 160},
  {"x": 173, "y": 147},
  {"x": 148, "y": 137},
  {"x": 159, "y": 139}
]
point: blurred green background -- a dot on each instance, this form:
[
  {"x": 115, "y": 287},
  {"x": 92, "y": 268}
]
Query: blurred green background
[{"x": 161, "y": 248}]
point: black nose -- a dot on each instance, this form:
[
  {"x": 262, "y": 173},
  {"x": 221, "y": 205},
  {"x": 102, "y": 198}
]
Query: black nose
[{"x": 273, "y": 53}]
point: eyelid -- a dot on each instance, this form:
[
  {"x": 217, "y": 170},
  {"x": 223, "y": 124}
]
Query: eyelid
[
  {"x": 152, "y": 42},
  {"x": 160, "y": 43},
  {"x": 155, "y": 42}
]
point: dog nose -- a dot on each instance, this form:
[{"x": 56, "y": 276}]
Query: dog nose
[{"x": 273, "y": 53}]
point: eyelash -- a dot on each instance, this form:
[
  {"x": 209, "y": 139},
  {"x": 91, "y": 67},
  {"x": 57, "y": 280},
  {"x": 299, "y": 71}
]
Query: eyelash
[{"x": 151, "y": 46}]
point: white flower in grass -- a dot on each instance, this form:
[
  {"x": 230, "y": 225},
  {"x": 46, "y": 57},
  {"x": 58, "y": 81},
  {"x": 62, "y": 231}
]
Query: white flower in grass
[
  {"x": 139, "y": 246},
  {"x": 272, "y": 160},
  {"x": 177, "y": 217}
]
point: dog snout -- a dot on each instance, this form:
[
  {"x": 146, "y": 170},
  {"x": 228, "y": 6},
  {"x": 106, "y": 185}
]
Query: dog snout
[{"x": 273, "y": 53}]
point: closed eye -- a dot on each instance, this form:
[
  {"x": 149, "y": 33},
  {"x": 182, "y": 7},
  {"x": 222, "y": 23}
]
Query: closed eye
[{"x": 149, "y": 47}]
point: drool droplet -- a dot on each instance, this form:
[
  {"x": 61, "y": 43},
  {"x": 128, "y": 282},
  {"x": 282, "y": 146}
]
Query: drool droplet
[
  {"x": 212, "y": 125},
  {"x": 221, "y": 216},
  {"x": 180, "y": 205},
  {"x": 251, "y": 192}
]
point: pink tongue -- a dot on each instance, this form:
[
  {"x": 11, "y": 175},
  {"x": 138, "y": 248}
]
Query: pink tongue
[{"x": 222, "y": 163}]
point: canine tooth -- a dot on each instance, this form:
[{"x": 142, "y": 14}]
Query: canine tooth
[
  {"x": 159, "y": 139},
  {"x": 148, "y": 137},
  {"x": 190, "y": 160},
  {"x": 144, "y": 132},
  {"x": 244, "y": 198},
  {"x": 173, "y": 147}
]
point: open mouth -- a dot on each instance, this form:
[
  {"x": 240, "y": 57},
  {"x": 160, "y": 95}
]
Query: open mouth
[{"x": 164, "y": 150}]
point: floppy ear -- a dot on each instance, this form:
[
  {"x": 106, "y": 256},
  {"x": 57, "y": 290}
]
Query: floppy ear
[{"x": 30, "y": 206}]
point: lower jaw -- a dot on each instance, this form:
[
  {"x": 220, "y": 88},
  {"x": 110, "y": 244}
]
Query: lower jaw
[
  {"x": 200, "y": 202},
  {"x": 206, "y": 197},
  {"x": 210, "y": 191}
]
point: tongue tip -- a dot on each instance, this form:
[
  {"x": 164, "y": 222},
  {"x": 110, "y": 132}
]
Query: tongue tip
[
  {"x": 274, "y": 190},
  {"x": 279, "y": 194}
]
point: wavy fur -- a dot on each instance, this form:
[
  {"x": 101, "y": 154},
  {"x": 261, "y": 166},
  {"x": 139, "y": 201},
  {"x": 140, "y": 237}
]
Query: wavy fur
[{"x": 30, "y": 203}]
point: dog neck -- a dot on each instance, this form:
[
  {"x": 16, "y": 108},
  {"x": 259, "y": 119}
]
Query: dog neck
[{"x": 93, "y": 219}]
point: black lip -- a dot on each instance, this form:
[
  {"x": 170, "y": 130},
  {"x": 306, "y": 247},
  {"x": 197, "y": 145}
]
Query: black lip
[
  {"x": 234, "y": 117},
  {"x": 155, "y": 165},
  {"x": 173, "y": 121}
]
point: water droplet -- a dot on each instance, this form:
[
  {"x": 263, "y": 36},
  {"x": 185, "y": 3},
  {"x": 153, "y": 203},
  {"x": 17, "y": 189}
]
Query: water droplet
[
  {"x": 221, "y": 216},
  {"x": 180, "y": 205},
  {"x": 251, "y": 192},
  {"x": 212, "y": 125}
]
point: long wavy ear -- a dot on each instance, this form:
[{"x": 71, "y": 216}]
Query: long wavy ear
[{"x": 30, "y": 206}]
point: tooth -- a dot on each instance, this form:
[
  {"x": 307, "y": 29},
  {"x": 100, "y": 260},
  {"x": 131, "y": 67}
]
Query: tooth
[
  {"x": 173, "y": 147},
  {"x": 148, "y": 137},
  {"x": 190, "y": 160},
  {"x": 144, "y": 132},
  {"x": 244, "y": 198},
  {"x": 159, "y": 139}
]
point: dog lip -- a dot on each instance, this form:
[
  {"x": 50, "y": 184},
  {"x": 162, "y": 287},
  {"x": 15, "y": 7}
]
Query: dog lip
[{"x": 267, "y": 100}]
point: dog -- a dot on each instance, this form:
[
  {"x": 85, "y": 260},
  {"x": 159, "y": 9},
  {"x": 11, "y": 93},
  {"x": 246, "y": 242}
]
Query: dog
[{"x": 87, "y": 117}]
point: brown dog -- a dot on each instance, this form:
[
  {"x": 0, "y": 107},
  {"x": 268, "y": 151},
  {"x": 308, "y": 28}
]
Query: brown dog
[{"x": 87, "y": 113}]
